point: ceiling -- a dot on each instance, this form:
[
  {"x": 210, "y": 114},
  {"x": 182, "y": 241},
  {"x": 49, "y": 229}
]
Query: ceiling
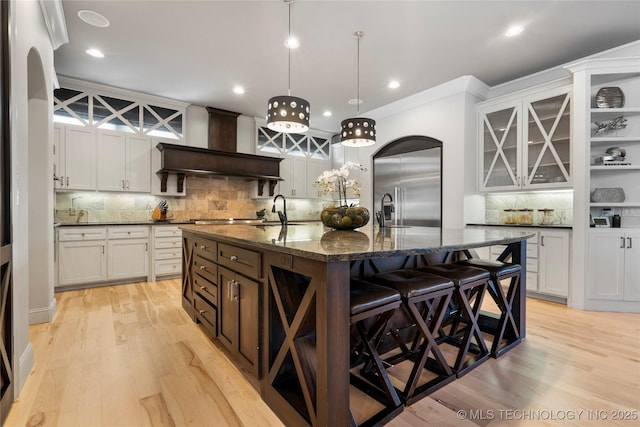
[{"x": 197, "y": 51}]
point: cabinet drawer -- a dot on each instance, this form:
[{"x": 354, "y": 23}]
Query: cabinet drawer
[
  {"x": 166, "y": 231},
  {"x": 170, "y": 266},
  {"x": 205, "y": 288},
  {"x": 128, "y": 232},
  {"x": 241, "y": 260},
  {"x": 532, "y": 251},
  {"x": 532, "y": 265},
  {"x": 206, "y": 248},
  {"x": 206, "y": 313},
  {"x": 532, "y": 281},
  {"x": 205, "y": 268},
  {"x": 171, "y": 253},
  {"x": 167, "y": 242},
  {"x": 82, "y": 233}
]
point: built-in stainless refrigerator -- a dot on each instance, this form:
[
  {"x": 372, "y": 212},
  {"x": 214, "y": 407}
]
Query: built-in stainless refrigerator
[{"x": 410, "y": 171}]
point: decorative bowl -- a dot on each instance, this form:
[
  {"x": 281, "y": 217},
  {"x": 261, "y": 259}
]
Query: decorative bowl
[{"x": 345, "y": 218}]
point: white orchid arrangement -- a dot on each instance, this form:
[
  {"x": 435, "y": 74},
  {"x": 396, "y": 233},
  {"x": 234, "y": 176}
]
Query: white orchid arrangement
[{"x": 336, "y": 180}]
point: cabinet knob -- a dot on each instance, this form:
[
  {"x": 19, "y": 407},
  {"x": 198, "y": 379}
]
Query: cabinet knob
[
  {"x": 203, "y": 247},
  {"x": 203, "y": 288},
  {"x": 234, "y": 258},
  {"x": 202, "y": 267}
]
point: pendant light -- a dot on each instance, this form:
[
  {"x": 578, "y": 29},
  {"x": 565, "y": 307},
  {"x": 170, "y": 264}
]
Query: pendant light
[
  {"x": 286, "y": 113},
  {"x": 358, "y": 131}
]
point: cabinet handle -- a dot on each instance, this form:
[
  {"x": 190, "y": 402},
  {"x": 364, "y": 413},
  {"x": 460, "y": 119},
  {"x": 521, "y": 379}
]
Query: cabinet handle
[
  {"x": 67, "y": 181},
  {"x": 229, "y": 285},
  {"x": 628, "y": 242},
  {"x": 203, "y": 247},
  {"x": 103, "y": 249},
  {"x": 202, "y": 311},
  {"x": 202, "y": 267},
  {"x": 202, "y": 288},
  {"x": 541, "y": 240},
  {"x": 146, "y": 247},
  {"x": 621, "y": 242},
  {"x": 234, "y": 258},
  {"x": 236, "y": 295},
  {"x": 127, "y": 184},
  {"x": 123, "y": 184}
]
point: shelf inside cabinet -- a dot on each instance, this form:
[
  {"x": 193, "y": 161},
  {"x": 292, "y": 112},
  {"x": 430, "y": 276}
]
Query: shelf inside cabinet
[
  {"x": 615, "y": 205},
  {"x": 597, "y": 140},
  {"x": 611, "y": 113},
  {"x": 614, "y": 168}
]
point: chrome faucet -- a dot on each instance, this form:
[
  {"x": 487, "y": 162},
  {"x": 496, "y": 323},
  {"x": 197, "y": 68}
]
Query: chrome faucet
[
  {"x": 382, "y": 216},
  {"x": 281, "y": 215}
]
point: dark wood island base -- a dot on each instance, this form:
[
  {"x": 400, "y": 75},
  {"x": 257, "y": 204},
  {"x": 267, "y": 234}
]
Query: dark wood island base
[{"x": 278, "y": 300}]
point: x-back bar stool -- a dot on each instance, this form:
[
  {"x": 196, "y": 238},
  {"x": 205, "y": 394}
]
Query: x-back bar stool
[
  {"x": 371, "y": 308},
  {"x": 425, "y": 298}
]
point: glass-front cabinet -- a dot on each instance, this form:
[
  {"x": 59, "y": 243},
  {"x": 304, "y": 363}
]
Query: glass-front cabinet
[{"x": 526, "y": 142}]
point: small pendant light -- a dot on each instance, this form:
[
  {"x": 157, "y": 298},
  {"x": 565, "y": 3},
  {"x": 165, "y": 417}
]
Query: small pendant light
[
  {"x": 358, "y": 131},
  {"x": 286, "y": 113}
]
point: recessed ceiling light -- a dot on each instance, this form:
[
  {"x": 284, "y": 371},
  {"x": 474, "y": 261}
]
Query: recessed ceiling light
[
  {"x": 327, "y": 113},
  {"x": 394, "y": 84},
  {"x": 239, "y": 90},
  {"x": 292, "y": 43},
  {"x": 514, "y": 30},
  {"x": 96, "y": 53},
  {"x": 93, "y": 18}
]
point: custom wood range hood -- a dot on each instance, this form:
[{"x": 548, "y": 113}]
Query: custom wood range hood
[{"x": 220, "y": 159}]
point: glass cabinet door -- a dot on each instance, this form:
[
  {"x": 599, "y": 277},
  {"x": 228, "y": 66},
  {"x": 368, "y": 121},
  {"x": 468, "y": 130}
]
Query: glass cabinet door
[
  {"x": 548, "y": 142},
  {"x": 500, "y": 149}
]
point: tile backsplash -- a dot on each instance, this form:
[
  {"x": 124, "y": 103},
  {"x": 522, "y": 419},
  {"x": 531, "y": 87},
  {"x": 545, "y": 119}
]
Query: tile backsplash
[
  {"x": 206, "y": 198},
  {"x": 560, "y": 201}
]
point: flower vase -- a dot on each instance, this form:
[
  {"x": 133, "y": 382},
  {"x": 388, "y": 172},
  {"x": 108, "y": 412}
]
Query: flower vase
[{"x": 345, "y": 217}]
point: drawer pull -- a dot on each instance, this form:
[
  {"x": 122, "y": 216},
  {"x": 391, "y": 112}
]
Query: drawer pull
[
  {"x": 202, "y": 288},
  {"x": 203, "y": 247},
  {"x": 234, "y": 258},
  {"x": 202, "y": 311},
  {"x": 202, "y": 267}
]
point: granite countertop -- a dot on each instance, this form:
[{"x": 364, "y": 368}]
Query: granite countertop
[
  {"x": 315, "y": 241},
  {"x": 561, "y": 226}
]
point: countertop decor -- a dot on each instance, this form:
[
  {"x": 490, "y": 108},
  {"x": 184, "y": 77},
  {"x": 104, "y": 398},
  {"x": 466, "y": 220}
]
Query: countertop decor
[{"x": 343, "y": 216}]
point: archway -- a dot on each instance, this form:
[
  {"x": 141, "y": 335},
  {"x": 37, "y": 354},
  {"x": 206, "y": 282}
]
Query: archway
[{"x": 40, "y": 263}]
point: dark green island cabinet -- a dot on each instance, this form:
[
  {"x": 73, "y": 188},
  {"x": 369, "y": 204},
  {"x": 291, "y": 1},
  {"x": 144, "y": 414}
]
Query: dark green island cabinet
[{"x": 278, "y": 299}]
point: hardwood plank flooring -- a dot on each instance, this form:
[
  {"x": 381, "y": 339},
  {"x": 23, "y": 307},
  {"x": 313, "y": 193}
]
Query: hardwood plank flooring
[{"x": 128, "y": 355}]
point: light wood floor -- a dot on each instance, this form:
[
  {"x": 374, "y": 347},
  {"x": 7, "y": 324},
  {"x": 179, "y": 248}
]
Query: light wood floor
[{"x": 129, "y": 356}]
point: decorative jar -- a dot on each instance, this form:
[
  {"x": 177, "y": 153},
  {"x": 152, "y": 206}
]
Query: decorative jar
[{"x": 345, "y": 217}]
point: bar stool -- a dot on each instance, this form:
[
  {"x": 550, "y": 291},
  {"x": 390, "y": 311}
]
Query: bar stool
[
  {"x": 371, "y": 308},
  {"x": 425, "y": 298},
  {"x": 470, "y": 285},
  {"x": 506, "y": 327}
]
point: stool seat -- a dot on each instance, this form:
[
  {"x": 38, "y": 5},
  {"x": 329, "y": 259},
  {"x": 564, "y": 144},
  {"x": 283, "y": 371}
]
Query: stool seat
[
  {"x": 411, "y": 283},
  {"x": 497, "y": 268},
  {"x": 368, "y": 296},
  {"x": 460, "y": 275}
]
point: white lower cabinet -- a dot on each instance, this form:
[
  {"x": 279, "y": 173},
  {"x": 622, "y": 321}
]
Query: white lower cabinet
[
  {"x": 82, "y": 255},
  {"x": 614, "y": 265},
  {"x": 553, "y": 263},
  {"x": 548, "y": 261},
  {"x": 89, "y": 255},
  {"x": 167, "y": 251}
]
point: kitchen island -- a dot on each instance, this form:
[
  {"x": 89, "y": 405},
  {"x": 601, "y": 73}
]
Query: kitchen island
[{"x": 278, "y": 298}]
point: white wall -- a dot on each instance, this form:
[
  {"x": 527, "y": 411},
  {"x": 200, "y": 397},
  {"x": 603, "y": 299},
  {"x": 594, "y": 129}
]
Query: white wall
[
  {"x": 27, "y": 31},
  {"x": 444, "y": 113}
]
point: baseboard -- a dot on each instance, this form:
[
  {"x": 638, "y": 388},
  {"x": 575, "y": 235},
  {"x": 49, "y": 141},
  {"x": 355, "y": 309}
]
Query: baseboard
[
  {"x": 43, "y": 315},
  {"x": 25, "y": 364}
]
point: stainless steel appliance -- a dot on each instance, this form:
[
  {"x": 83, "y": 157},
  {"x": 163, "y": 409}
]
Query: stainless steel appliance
[{"x": 410, "y": 170}]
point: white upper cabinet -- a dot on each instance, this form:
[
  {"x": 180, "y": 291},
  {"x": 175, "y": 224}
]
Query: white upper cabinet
[
  {"x": 74, "y": 157},
  {"x": 525, "y": 142},
  {"x": 124, "y": 162}
]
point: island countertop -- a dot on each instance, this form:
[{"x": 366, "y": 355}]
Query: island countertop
[{"x": 315, "y": 241}]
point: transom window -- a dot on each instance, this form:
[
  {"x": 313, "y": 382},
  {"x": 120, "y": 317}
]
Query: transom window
[
  {"x": 106, "y": 112},
  {"x": 293, "y": 144}
]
